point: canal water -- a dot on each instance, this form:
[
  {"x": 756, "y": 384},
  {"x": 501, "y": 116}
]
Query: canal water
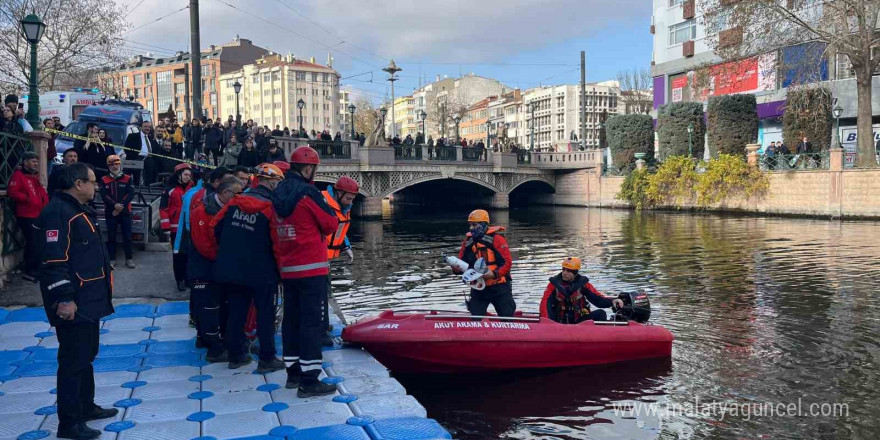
[{"x": 777, "y": 322}]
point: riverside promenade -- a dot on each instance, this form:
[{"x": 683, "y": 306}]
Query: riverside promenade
[{"x": 149, "y": 368}]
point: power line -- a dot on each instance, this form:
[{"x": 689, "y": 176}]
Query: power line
[
  {"x": 154, "y": 21},
  {"x": 343, "y": 41},
  {"x": 294, "y": 33},
  {"x": 132, "y": 9}
]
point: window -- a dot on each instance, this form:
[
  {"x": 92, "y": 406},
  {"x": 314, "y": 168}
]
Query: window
[
  {"x": 256, "y": 78},
  {"x": 138, "y": 80},
  {"x": 180, "y": 88},
  {"x": 315, "y": 79},
  {"x": 326, "y": 106},
  {"x": 206, "y": 70},
  {"x": 213, "y": 100},
  {"x": 267, "y": 77},
  {"x": 267, "y": 106},
  {"x": 177, "y": 101},
  {"x": 149, "y": 78},
  {"x": 315, "y": 106},
  {"x": 165, "y": 89},
  {"x": 229, "y": 83},
  {"x": 300, "y": 76},
  {"x": 675, "y": 2},
  {"x": 266, "y": 92},
  {"x": 685, "y": 31},
  {"x": 137, "y": 93},
  {"x": 150, "y": 105},
  {"x": 314, "y": 92},
  {"x": 276, "y": 76},
  {"x": 276, "y": 91},
  {"x": 125, "y": 81},
  {"x": 277, "y": 105}
]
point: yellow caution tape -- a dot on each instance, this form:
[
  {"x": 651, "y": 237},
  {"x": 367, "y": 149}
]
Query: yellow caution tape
[{"x": 83, "y": 138}]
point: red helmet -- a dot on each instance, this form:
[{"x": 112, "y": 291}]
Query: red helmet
[
  {"x": 305, "y": 155},
  {"x": 183, "y": 166},
  {"x": 346, "y": 184},
  {"x": 283, "y": 165}
]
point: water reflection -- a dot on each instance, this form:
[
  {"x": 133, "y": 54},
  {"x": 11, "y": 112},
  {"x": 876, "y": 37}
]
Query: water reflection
[{"x": 763, "y": 309}]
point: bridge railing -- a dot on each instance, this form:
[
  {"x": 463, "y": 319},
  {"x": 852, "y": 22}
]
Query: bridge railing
[
  {"x": 407, "y": 152},
  {"x": 445, "y": 153}
]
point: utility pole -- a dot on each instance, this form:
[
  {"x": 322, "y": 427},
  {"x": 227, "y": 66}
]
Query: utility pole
[
  {"x": 195, "y": 58},
  {"x": 187, "y": 99},
  {"x": 583, "y": 99}
]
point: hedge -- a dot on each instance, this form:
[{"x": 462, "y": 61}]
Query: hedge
[
  {"x": 672, "y": 123},
  {"x": 628, "y": 135},
  {"x": 732, "y": 123},
  {"x": 808, "y": 113}
]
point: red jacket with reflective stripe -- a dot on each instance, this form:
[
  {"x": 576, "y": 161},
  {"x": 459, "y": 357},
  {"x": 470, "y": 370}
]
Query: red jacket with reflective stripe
[
  {"x": 171, "y": 206},
  {"x": 30, "y": 197},
  {"x": 303, "y": 223}
]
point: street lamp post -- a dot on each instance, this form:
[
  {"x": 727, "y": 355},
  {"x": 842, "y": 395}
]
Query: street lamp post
[
  {"x": 837, "y": 112},
  {"x": 423, "y": 116},
  {"x": 392, "y": 69},
  {"x": 532, "y": 111},
  {"x": 457, "y": 120},
  {"x": 33, "y": 29},
  {"x": 691, "y": 139},
  {"x": 237, "y": 87},
  {"x": 300, "y": 104},
  {"x": 351, "y": 109}
]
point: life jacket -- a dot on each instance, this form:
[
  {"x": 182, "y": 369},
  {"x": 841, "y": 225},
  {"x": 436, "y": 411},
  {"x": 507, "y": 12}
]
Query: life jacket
[
  {"x": 569, "y": 305},
  {"x": 485, "y": 248},
  {"x": 336, "y": 240}
]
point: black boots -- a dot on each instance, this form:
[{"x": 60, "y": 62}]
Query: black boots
[
  {"x": 78, "y": 432},
  {"x": 312, "y": 387}
]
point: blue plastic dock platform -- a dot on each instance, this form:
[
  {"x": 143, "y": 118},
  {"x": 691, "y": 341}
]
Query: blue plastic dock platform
[{"x": 149, "y": 368}]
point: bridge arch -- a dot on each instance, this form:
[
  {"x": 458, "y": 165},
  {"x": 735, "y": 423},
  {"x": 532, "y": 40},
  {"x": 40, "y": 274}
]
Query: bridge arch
[{"x": 418, "y": 181}]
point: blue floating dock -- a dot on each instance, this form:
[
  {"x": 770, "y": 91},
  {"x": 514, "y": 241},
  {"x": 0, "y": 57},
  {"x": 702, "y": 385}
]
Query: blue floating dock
[{"x": 149, "y": 367}]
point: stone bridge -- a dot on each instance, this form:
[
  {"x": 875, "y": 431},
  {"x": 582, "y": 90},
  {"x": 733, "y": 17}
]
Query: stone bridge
[{"x": 385, "y": 172}]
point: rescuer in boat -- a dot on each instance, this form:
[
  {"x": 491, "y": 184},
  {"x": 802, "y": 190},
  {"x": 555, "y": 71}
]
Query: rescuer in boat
[
  {"x": 568, "y": 296},
  {"x": 486, "y": 242},
  {"x": 340, "y": 196}
]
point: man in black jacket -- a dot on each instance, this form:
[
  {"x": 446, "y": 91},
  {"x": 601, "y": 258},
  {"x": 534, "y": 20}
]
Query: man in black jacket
[
  {"x": 194, "y": 137},
  {"x": 77, "y": 291},
  {"x": 214, "y": 141},
  {"x": 70, "y": 156},
  {"x": 117, "y": 193},
  {"x": 139, "y": 146}
]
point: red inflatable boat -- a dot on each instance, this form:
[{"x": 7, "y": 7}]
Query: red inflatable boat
[{"x": 450, "y": 342}]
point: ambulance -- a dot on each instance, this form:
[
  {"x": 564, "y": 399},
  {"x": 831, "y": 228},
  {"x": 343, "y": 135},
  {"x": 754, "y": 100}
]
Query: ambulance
[{"x": 65, "y": 105}]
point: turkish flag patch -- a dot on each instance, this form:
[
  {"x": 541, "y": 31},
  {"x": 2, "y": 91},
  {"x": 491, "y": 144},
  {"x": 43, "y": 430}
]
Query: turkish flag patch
[{"x": 51, "y": 235}]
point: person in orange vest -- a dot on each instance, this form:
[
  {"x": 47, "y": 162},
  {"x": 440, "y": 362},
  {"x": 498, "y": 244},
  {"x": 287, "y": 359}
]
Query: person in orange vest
[
  {"x": 569, "y": 294},
  {"x": 486, "y": 242},
  {"x": 340, "y": 196}
]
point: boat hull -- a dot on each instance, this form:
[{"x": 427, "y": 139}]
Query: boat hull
[{"x": 438, "y": 343}]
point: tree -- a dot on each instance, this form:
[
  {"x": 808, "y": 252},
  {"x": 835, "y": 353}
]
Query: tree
[
  {"x": 672, "y": 129},
  {"x": 628, "y": 135},
  {"x": 81, "y": 37},
  {"x": 743, "y": 28},
  {"x": 635, "y": 90},
  {"x": 808, "y": 113},
  {"x": 365, "y": 116},
  {"x": 732, "y": 123},
  {"x": 442, "y": 108}
]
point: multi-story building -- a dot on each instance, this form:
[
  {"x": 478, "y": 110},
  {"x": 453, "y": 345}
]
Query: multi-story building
[
  {"x": 506, "y": 112},
  {"x": 553, "y": 114},
  {"x": 160, "y": 83},
  {"x": 273, "y": 85},
  {"x": 474, "y": 124},
  {"x": 345, "y": 116},
  {"x": 405, "y": 118},
  {"x": 445, "y": 98},
  {"x": 681, "y": 51}
]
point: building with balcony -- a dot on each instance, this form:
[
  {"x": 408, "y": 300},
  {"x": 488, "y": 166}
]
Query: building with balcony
[
  {"x": 160, "y": 83},
  {"x": 555, "y": 120},
  {"x": 273, "y": 85}
]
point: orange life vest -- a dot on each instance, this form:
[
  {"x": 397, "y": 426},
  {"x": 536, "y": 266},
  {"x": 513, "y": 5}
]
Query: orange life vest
[
  {"x": 485, "y": 248},
  {"x": 336, "y": 241}
]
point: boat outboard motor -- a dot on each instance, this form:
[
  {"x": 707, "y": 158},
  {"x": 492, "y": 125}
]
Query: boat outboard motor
[{"x": 636, "y": 307}]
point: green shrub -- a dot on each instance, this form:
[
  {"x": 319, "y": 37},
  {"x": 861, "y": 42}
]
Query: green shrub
[
  {"x": 808, "y": 113},
  {"x": 628, "y": 135},
  {"x": 732, "y": 123},
  {"x": 672, "y": 123},
  {"x": 634, "y": 189},
  {"x": 673, "y": 183},
  {"x": 728, "y": 175}
]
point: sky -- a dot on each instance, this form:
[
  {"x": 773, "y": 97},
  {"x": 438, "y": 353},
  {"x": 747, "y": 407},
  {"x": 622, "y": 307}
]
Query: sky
[{"x": 523, "y": 43}]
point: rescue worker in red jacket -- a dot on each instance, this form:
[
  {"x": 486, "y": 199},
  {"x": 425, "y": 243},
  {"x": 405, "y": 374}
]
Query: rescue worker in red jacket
[
  {"x": 305, "y": 220},
  {"x": 211, "y": 308},
  {"x": 117, "y": 193},
  {"x": 569, "y": 294},
  {"x": 169, "y": 214},
  {"x": 340, "y": 196},
  {"x": 30, "y": 198},
  {"x": 487, "y": 243},
  {"x": 249, "y": 222}
]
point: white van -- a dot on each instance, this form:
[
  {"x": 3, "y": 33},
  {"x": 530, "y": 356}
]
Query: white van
[{"x": 65, "y": 105}]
